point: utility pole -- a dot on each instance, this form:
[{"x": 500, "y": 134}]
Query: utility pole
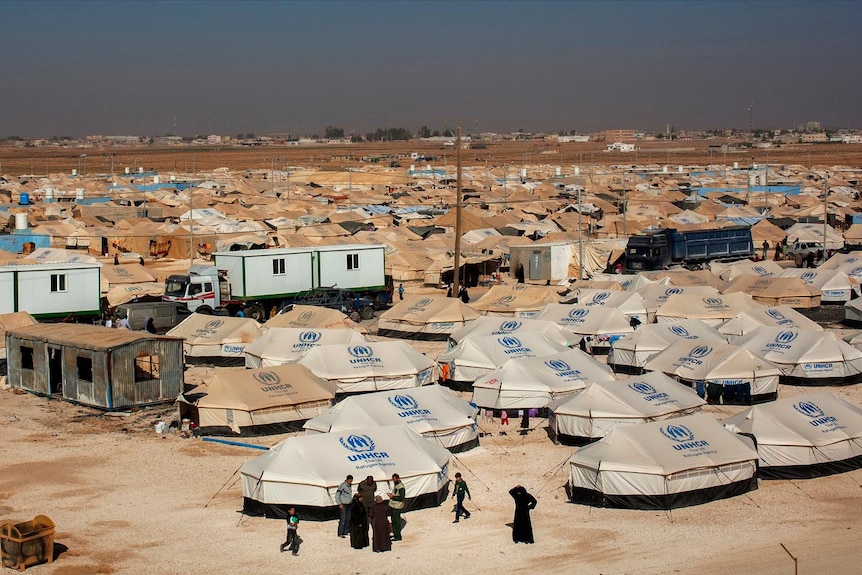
[
  {"x": 825, "y": 210},
  {"x": 457, "y": 263},
  {"x": 191, "y": 226},
  {"x": 580, "y": 237},
  {"x": 625, "y": 232}
]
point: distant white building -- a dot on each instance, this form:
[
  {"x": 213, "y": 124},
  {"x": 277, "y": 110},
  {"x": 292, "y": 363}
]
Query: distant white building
[{"x": 620, "y": 147}]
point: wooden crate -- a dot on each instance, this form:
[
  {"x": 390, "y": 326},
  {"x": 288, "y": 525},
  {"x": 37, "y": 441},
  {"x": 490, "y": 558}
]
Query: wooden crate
[{"x": 27, "y": 543}]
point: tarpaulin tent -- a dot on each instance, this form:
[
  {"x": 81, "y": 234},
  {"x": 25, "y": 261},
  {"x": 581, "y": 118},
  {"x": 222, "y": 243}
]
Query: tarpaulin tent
[
  {"x": 789, "y": 291},
  {"x": 805, "y": 436},
  {"x": 309, "y": 316},
  {"x": 834, "y": 285},
  {"x": 495, "y": 325},
  {"x": 532, "y": 382},
  {"x": 656, "y": 295},
  {"x": 663, "y": 465},
  {"x": 432, "y": 411},
  {"x": 305, "y": 471},
  {"x": 372, "y": 366},
  {"x": 630, "y": 354},
  {"x": 599, "y": 326},
  {"x": 712, "y": 310},
  {"x": 605, "y": 405},
  {"x": 257, "y": 401},
  {"x": 777, "y": 316},
  {"x": 518, "y": 300},
  {"x": 425, "y": 317},
  {"x": 629, "y": 303},
  {"x": 719, "y": 370},
  {"x": 806, "y": 357},
  {"x": 216, "y": 336},
  {"x": 280, "y": 345}
]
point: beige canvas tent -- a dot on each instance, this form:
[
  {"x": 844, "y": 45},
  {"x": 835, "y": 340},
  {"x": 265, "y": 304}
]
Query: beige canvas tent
[
  {"x": 712, "y": 310},
  {"x": 772, "y": 291},
  {"x": 425, "y": 317},
  {"x": 518, "y": 300},
  {"x": 216, "y": 336},
  {"x": 257, "y": 401},
  {"x": 309, "y": 316}
]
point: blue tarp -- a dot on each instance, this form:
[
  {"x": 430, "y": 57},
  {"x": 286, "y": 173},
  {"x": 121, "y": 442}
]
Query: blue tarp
[
  {"x": 14, "y": 243},
  {"x": 787, "y": 190}
]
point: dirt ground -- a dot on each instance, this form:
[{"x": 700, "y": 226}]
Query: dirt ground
[{"x": 127, "y": 500}]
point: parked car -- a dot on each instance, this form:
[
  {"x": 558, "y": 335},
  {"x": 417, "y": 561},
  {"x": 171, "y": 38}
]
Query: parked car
[
  {"x": 343, "y": 300},
  {"x": 799, "y": 252},
  {"x": 165, "y": 314}
]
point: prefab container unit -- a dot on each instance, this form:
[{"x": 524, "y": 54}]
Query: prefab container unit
[
  {"x": 96, "y": 366},
  {"x": 357, "y": 267},
  {"x": 542, "y": 261},
  {"x": 51, "y": 290},
  {"x": 255, "y": 274}
]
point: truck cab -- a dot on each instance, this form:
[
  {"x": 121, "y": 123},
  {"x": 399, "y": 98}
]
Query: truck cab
[
  {"x": 202, "y": 290},
  {"x": 650, "y": 251}
]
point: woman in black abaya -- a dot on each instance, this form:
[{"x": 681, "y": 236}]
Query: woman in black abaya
[
  {"x": 358, "y": 523},
  {"x": 522, "y": 528}
]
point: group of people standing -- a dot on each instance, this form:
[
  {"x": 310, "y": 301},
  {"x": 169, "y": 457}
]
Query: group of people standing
[{"x": 363, "y": 509}]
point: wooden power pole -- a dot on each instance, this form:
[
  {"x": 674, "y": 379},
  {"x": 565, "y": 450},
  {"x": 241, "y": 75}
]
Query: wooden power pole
[{"x": 457, "y": 263}]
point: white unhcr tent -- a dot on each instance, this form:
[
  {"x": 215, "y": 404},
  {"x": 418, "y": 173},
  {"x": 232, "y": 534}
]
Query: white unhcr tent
[
  {"x": 806, "y": 357},
  {"x": 663, "y": 465},
  {"x": 600, "y": 327},
  {"x": 605, "y": 405},
  {"x": 494, "y": 325},
  {"x": 216, "y": 336},
  {"x": 432, "y": 411},
  {"x": 779, "y": 316},
  {"x": 656, "y": 295},
  {"x": 719, "y": 371},
  {"x": 309, "y": 316},
  {"x": 280, "y": 345},
  {"x": 630, "y": 354},
  {"x": 834, "y": 285},
  {"x": 371, "y": 366},
  {"x": 257, "y": 401},
  {"x": 805, "y": 436},
  {"x": 519, "y": 300},
  {"x": 712, "y": 310},
  {"x": 533, "y": 382},
  {"x": 475, "y": 357},
  {"x": 425, "y": 317},
  {"x": 305, "y": 471},
  {"x": 629, "y": 303}
]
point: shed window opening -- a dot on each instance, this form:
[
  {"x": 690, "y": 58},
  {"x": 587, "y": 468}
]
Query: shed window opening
[
  {"x": 85, "y": 368},
  {"x": 58, "y": 283},
  {"x": 146, "y": 367},
  {"x": 352, "y": 261},
  {"x": 26, "y": 357},
  {"x": 278, "y": 267}
]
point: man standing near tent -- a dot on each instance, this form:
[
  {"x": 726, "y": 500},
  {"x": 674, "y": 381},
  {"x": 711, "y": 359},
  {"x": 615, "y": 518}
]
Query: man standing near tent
[
  {"x": 344, "y": 497},
  {"x": 367, "y": 488},
  {"x": 458, "y": 492},
  {"x": 396, "y": 505}
]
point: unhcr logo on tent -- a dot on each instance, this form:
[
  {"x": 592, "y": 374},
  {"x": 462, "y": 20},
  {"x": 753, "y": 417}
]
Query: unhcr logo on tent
[
  {"x": 408, "y": 405},
  {"x": 505, "y": 300},
  {"x": 669, "y": 292},
  {"x": 576, "y": 315},
  {"x": 308, "y": 339},
  {"x": 808, "y": 277},
  {"x": 649, "y": 392},
  {"x": 695, "y": 354},
  {"x": 856, "y": 272},
  {"x": 512, "y": 345},
  {"x": 214, "y": 324},
  {"x": 760, "y": 270},
  {"x": 779, "y": 317},
  {"x": 362, "y": 354},
  {"x": 783, "y": 340},
  {"x": 508, "y": 327},
  {"x": 714, "y": 303},
  {"x": 562, "y": 368},
  {"x": 600, "y": 298},
  {"x": 682, "y": 436},
  {"x": 269, "y": 381},
  {"x": 362, "y": 447},
  {"x": 681, "y": 332},
  {"x": 305, "y": 316},
  {"x": 815, "y": 413},
  {"x": 120, "y": 271},
  {"x": 420, "y": 305}
]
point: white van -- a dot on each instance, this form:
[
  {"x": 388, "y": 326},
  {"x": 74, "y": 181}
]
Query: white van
[{"x": 165, "y": 314}]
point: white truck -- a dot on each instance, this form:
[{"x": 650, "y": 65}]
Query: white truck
[
  {"x": 52, "y": 291},
  {"x": 256, "y": 281}
]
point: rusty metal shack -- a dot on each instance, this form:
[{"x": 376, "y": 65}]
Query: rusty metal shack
[{"x": 96, "y": 366}]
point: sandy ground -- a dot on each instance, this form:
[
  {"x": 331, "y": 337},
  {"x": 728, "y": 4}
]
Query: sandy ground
[{"x": 126, "y": 500}]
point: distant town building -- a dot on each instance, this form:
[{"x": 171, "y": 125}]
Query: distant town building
[
  {"x": 620, "y": 136},
  {"x": 816, "y": 137}
]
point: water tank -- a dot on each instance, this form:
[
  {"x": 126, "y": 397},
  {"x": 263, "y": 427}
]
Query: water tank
[
  {"x": 523, "y": 173},
  {"x": 21, "y": 221},
  {"x": 412, "y": 168},
  {"x": 558, "y": 172},
  {"x": 679, "y": 169},
  {"x": 173, "y": 178},
  {"x": 49, "y": 195},
  {"x": 577, "y": 170},
  {"x": 157, "y": 180},
  {"x": 128, "y": 170},
  {"x": 752, "y": 179},
  {"x": 664, "y": 169},
  {"x": 24, "y": 200},
  {"x": 140, "y": 170},
  {"x": 762, "y": 179},
  {"x": 79, "y": 193},
  {"x": 74, "y": 172},
  {"x": 735, "y": 165}
]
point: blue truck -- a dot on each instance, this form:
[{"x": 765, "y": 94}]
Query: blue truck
[{"x": 661, "y": 248}]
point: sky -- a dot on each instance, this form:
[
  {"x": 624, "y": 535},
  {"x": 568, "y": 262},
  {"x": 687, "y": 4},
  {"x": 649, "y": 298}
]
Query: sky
[{"x": 200, "y": 67}]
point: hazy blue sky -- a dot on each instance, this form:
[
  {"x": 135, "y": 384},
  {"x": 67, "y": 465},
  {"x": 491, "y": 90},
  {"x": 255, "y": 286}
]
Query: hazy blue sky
[{"x": 77, "y": 68}]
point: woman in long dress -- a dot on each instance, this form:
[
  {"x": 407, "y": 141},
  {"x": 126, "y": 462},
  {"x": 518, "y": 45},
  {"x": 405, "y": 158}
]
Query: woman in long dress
[
  {"x": 522, "y": 528},
  {"x": 358, "y": 523},
  {"x": 380, "y": 525}
]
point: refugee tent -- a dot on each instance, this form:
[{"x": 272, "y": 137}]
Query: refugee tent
[
  {"x": 305, "y": 471},
  {"x": 533, "y": 382},
  {"x": 605, "y": 405},
  {"x": 629, "y": 303},
  {"x": 806, "y": 436},
  {"x": 433, "y": 411},
  {"x": 372, "y": 366},
  {"x": 730, "y": 271},
  {"x": 719, "y": 371},
  {"x": 495, "y": 325},
  {"x": 809, "y": 232},
  {"x": 257, "y": 401},
  {"x": 475, "y": 357},
  {"x": 9, "y": 321},
  {"x": 663, "y": 465},
  {"x": 655, "y": 295},
  {"x": 280, "y": 345},
  {"x": 701, "y": 278},
  {"x": 853, "y": 311},
  {"x": 630, "y": 354},
  {"x": 425, "y": 317},
  {"x": 216, "y": 336},
  {"x": 123, "y": 293},
  {"x": 600, "y": 327},
  {"x": 313, "y": 317},
  {"x": 834, "y": 285},
  {"x": 777, "y": 316},
  {"x": 839, "y": 260},
  {"x": 806, "y": 357},
  {"x": 789, "y": 291},
  {"x": 712, "y": 310},
  {"x": 518, "y": 300}
]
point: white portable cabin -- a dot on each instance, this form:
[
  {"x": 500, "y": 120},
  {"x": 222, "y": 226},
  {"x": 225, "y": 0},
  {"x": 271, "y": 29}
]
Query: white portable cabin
[
  {"x": 663, "y": 465},
  {"x": 433, "y": 411},
  {"x": 267, "y": 273},
  {"x": 356, "y": 266},
  {"x": 51, "y": 290},
  {"x": 630, "y": 354},
  {"x": 305, "y": 471},
  {"x": 542, "y": 262},
  {"x": 805, "y": 436},
  {"x": 605, "y": 405}
]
